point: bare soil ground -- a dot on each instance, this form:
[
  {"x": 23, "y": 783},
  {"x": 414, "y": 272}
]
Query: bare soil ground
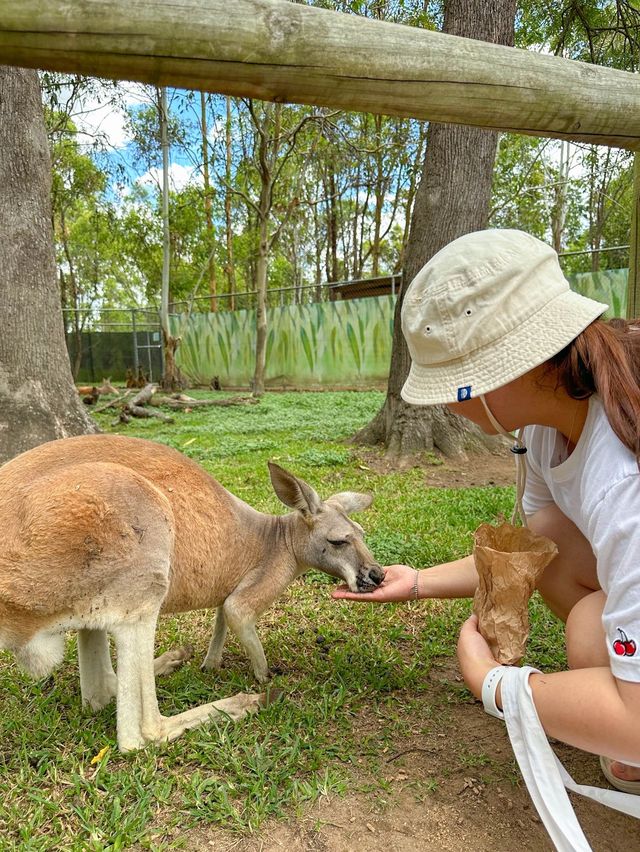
[
  {"x": 483, "y": 469},
  {"x": 437, "y": 799},
  {"x": 437, "y": 802}
]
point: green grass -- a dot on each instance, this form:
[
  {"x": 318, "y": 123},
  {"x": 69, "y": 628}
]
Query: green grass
[{"x": 354, "y": 676}]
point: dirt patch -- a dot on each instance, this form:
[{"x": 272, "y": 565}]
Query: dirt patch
[
  {"x": 454, "y": 789},
  {"x": 481, "y": 469}
]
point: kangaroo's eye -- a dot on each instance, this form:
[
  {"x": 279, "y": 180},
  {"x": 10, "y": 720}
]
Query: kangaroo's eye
[{"x": 338, "y": 542}]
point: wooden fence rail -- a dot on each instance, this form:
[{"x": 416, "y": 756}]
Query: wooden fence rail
[{"x": 281, "y": 51}]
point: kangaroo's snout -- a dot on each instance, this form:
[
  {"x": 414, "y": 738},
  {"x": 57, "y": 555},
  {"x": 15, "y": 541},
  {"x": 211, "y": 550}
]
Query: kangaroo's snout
[{"x": 369, "y": 578}]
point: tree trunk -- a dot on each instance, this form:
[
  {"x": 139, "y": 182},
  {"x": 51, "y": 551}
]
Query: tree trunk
[
  {"x": 230, "y": 264},
  {"x": 38, "y": 401},
  {"x": 261, "y": 308},
  {"x": 559, "y": 211},
  {"x": 380, "y": 186},
  {"x": 207, "y": 191},
  {"x": 172, "y": 378},
  {"x": 411, "y": 194},
  {"x": 452, "y": 200},
  {"x": 332, "y": 224},
  {"x": 269, "y": 139}
]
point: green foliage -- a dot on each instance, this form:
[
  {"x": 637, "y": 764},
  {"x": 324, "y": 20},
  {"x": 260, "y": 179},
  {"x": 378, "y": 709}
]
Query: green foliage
[
  {"x": 343, "y": 183},
  {"x": 519, "y": 198},
  {"x": 604, "y": 32}
]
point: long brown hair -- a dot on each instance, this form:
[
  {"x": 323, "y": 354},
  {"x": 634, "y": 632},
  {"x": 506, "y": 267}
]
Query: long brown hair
[{"x": 605, "y": 359}]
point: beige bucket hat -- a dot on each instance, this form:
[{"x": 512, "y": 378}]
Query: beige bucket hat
[{"x": 487, "y": 308}]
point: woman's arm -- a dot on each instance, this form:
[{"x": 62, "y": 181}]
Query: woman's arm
[
  {"x": 587, "y": 708},
  {"x": 457, "y": 579}
]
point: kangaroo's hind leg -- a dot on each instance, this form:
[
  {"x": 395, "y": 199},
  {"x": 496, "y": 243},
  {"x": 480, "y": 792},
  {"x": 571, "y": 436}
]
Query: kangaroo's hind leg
[
  {"x": 98, "y": 682},
  {"x": 139, "y": 719}
]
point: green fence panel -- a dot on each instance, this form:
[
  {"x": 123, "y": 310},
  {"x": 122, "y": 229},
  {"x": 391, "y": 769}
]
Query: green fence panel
[
  {"x": 609, "y": 286},
  {"x": 343, "y": 343}
]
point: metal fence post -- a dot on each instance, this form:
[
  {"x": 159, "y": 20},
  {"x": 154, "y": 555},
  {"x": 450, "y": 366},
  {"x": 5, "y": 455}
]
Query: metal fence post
[{"x": 134, "y": 332}]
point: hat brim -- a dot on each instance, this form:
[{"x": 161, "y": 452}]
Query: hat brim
[{"x": 530, "y": 344}]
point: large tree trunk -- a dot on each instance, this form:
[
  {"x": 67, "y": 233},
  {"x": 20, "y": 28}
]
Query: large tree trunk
[
  {"x": 38, "y": 400},
  {"x": 452, "y": 200}
]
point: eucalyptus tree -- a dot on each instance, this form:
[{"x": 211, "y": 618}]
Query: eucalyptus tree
[
  {"x": 78, "y": 214},
  {"x": 609, "y": 203},
  {"x": 38, "y": 401},
  {"x": 207, "y": 190},
  {"x": 603, "y": 32},
  {"x": 452, "y": 199},
  {"x": 154, "y": 129},
  {"x": 270, "y": 141},
  {"x": 381, "y": 173},
  {"x": 228, "y": 203}
]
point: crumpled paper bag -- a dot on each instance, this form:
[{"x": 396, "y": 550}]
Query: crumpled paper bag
[{"x": 509, "y": 561}]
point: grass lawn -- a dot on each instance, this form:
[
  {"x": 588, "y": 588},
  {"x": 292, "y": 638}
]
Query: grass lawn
[{"x": 354, "y": 676}]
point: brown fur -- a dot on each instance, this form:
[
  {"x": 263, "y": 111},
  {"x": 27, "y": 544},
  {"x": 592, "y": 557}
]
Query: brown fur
[
  {"x": 105, "y": 387},
  {"x": 101, "y": 532}
]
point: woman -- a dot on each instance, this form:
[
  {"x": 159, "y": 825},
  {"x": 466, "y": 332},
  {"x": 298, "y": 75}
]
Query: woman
[{"x": 495, "y": 333}]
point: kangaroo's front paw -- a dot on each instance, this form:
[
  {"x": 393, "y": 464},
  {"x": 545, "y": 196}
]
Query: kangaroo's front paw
[
  {"x": 263, "y": 674},
  {"x": 171, "y": 660},
  {"x": 210, "y": 664}
]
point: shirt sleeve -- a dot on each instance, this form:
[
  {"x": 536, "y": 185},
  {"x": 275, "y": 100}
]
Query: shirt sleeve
[
  {"x": 614, "y": 532},
  {"x": 536, "y": 491}
]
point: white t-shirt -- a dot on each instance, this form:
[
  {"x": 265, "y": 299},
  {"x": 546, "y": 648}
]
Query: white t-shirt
[{"x": 598, "y": 488}]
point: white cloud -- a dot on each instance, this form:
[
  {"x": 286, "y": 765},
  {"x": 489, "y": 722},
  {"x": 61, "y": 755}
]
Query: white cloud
[
  {"x": 179, "y": 177},
  {"x": 97, "y": 116}
]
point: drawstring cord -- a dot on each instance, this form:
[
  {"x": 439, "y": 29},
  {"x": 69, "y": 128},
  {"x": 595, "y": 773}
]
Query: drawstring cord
[{"x": 519, "y": 450}]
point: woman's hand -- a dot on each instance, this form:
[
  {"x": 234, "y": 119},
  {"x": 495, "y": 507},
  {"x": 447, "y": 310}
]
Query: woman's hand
[
  {"x": 474, "y": 656},
  {"x": 398, "y": 585}
]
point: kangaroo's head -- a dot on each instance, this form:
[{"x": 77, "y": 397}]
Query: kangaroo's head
[
  {"x": 328, "y": 539},
  {"x": 107, "y": 387}
]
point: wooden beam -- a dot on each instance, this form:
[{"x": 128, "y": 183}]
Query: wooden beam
[{"x": 281, "y": 51}]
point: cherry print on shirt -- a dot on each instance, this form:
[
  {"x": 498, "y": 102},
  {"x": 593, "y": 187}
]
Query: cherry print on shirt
[{"x": 623, "y": 646}]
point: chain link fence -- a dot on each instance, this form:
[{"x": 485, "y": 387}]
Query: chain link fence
[{"x": 123, "y": 344}]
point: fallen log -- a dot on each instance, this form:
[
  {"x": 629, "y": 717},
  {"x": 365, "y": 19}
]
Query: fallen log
[
  {"x": 183, "y": 404},
  {"x": 136, "y": 406},
  {"x": 143, "y": 396},
  {"x": 114, "y": 402},
  {"x": 130, "y": 411}
]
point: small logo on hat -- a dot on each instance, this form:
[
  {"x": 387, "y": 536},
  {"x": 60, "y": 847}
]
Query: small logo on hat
[{"x": 464, "y": 393}]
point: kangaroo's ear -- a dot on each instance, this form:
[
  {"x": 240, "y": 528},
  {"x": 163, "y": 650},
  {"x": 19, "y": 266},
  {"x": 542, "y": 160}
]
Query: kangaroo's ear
[
  {"x": 294, "y": 492},
  {"x": 350, "y": 501}
]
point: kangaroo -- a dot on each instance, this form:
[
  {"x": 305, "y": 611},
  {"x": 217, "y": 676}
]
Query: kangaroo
[
  {"x": 102, "y": 533},
  {"x": 105, "y": 387}
]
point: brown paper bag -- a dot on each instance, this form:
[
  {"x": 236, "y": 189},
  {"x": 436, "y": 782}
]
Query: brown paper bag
[{"x": 509, "y": 561}]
